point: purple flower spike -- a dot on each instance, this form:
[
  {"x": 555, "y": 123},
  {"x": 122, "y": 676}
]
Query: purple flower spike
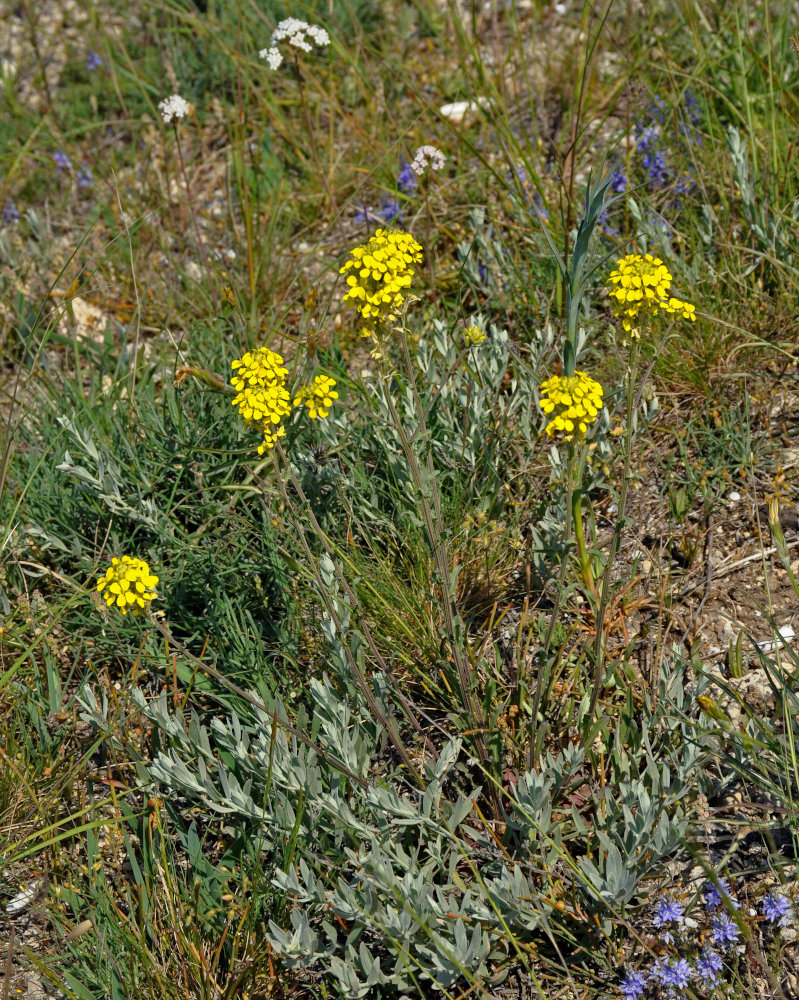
[
  {"x": 618, "y": 181},
  {"x": 93, "y": 60},
  {"x": 84, "y": 178},
  {"x": 406, "y": 179}
]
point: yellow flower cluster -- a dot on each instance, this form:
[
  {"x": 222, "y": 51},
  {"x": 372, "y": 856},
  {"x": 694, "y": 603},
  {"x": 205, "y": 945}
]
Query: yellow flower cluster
[
  {"x": 641, "y": 284},
  {"x": 318, "y": 396},
  {"x": 473, "y": 336},
  {"x": 129, "y": 584},
  {"x": 263, "y": 399},
  {"x": 574, "y": 402},
  {"x": 381, "y": 271}
]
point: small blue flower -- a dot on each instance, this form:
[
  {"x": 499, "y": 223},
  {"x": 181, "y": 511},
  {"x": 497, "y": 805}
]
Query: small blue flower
[
  {"x": 391, "y": 211},
  {"x": 692, "y": 111},
  {"x": 715, "y": 895},
  {"x": 61, "y": 161},
  {"x": 84, "y": 178},
  {"x": 618, "y": 181},
  {"x": 708, "y": 967},
  {"x": 647, "y": 138},
  {"x": 777, "y": 909},
  {"x": 633, "y": 985},
  {"x": 667, "y": 911},
  {"x": 93, "y": 60},
  {"x": 656, "y": 110},
  {"x": 725, "y": 932},
  {"x": 656, "y": 167},
  {"x": 10, "y": 213},
  {"x": 674, "y": 973},
  {"x": 407, "y": 180}
]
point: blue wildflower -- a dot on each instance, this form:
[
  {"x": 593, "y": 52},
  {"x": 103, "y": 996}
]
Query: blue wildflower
[
  {"x": 667, "y": 911},
  {"x": 633, "y": 985},
  {"x": 656, "y": 167},
  {"x": 407, "y": 180},
  {"x": 674, "y": 973},
  {"x": 777, "y": 909},
  {"x": 618, "y": 181},
  {"x": 691, "y": 108},
  {"x": 656, "y": 110},
  {"x": 84, "y": 178},
  {"x": 647, "y": 138},
  {"x": 390, "y": 212},
  {"x": 708, "y": 967},
  {"x": 10, "y": 213},
  {"x": 724, "y": 931},
  {"x": 93, "y": 60},
  {"x": 715, "y": 895},
  {"x": 61, "y": 161}
]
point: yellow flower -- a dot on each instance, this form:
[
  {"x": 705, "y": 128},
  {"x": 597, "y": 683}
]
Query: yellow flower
[
  {"x": 381, "y": 271},
  {"x": 262, "y": 397},
  {"x": 641, "y": 284},
  {"x": 574, "y": 402},
  {"x": 684, "y": 308},
  {"x": 318, "y": 396},
  {"x": 129, "y": 584},
  {"x": 473, "y": 336}
]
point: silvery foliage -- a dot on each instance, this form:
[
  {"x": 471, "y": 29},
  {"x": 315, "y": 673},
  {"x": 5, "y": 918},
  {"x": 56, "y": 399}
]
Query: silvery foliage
[
  {"x": 391, "y": 884},
  {"x": 642, "y": 813},
  {"x": 103, "y": 478}
]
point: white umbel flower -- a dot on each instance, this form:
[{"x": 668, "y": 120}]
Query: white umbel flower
[
  {"x": 173, "y": 108},
  {"x": 427, "y": 155},
  {"x": 298, "y": 34},
  {"x": 272, "y": 56}
]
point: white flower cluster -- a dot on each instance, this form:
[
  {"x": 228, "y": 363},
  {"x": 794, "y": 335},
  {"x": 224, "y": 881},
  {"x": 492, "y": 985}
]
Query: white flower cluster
[
  {"x": 425, "y": 155},
  {"x": 174, "y": 107},
  {"x": 298, "y": 33}
]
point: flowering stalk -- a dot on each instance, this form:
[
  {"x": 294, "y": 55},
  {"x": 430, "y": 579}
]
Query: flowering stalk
[
  {"x": 577, "y": 514},
  {"x": 630, "y": 405}
]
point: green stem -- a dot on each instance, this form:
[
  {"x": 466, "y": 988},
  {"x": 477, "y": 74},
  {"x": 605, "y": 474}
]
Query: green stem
[
  {"x": 599, "y": 648},
  {"x": 544, "y": 665},
  {"x": 577, "y": 517}
]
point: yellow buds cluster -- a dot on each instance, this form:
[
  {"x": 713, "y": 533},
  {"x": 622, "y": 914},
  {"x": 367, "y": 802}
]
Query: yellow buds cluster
[
  {"x": 318, "y": 396},
  {"x": 473, "y": 336},
  {"x": 641, "y": 284},
  {"x": 263, "y": 398},
  {"x": 129, "y": 584},
  {"x": 380, "y": 273},
  {"x": 574, "y": 402}
]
